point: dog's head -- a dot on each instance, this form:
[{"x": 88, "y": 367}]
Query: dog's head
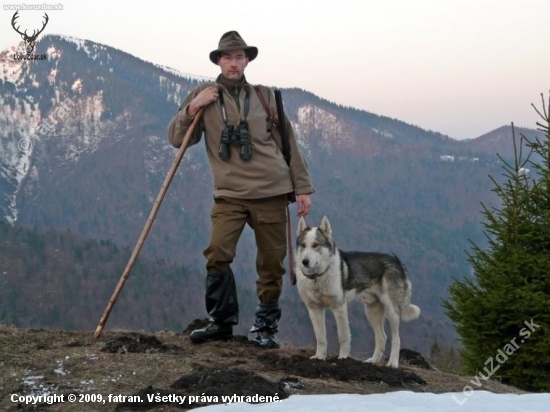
[{"x": 314, "y": 247}]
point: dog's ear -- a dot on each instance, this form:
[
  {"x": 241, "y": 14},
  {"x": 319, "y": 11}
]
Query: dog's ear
[
  {"x": 324, "y": 227},
  {"x": 302, "y": 226}
]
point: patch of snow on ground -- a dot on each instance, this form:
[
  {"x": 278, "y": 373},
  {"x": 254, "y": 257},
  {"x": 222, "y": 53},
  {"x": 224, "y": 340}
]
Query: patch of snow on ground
[
  {"x": 37, "y": 388},
  {"x": 402, "y": 401}
]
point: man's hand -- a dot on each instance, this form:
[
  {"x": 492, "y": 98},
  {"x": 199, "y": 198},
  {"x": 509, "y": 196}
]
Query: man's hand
[
  {"x": 304, "y": 205},
  {"x": 204, "y": 98}
]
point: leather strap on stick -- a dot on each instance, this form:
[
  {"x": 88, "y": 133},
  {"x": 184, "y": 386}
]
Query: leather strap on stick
[{"x": 290, "y": 247}]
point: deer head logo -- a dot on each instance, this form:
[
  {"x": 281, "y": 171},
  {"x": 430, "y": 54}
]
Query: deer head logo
[{"x": 30, "y": 40}]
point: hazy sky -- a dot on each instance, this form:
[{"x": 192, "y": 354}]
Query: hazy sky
[{"x": 459, "y": 67}]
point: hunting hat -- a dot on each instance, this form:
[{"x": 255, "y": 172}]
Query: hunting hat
[{"x": 233, "y": 41}]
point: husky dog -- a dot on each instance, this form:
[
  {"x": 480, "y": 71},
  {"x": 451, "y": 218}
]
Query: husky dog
[{"x": 329, "y": 278}]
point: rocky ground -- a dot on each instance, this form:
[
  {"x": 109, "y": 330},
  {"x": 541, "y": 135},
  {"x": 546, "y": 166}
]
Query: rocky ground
[{"x": 121, "y": 368}]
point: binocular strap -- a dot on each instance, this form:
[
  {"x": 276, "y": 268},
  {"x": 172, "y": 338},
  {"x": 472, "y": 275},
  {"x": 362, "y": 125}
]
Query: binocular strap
[{"x": 246, "y": 106}]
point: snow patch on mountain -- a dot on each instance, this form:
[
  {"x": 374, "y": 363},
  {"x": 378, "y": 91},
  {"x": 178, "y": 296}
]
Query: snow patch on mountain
[
  {"x": 312, "y": 119},
  {"x": 13, "y": 70},
  {"x": 92, "y": 49},
  {"x": 451, "y": 158},
  {"x": 382, "y": 133},
  {"x": 82, "y": 130},
  {"x": 14, "y": 167},
  {"x": 157, "y": 154},
  {"x": 174, "y": 91},
  {"x": 77, "y": 86},
  {"x": 51, "y": 76},
  {"x": 17, "y": 117},
  {"x": 184, "y": 75},
  {"x": 53, "y": 53},
  {"x": 76, "y": 129},
  {"x": 18, "y": 114}
]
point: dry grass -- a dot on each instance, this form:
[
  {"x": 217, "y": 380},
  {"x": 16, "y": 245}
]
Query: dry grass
[{"x": 35, "y": 362}]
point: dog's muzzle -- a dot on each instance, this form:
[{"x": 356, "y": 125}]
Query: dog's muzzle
[{"x": 312, "y": 276}]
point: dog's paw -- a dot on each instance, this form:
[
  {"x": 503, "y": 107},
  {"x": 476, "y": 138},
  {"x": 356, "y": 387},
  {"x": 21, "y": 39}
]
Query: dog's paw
[
  {"x": 373, "y": 360},
  {"x": 318, "y": 357},
  {"x": 392, "y": 364},
  {"x": 343, "y": 354}
]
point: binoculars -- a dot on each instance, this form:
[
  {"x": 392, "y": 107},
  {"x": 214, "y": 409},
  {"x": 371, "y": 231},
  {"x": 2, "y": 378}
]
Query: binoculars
[{"x": 236, "y": 135}]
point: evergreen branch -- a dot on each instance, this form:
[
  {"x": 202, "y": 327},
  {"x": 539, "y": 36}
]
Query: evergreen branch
[{"x": 545, "y": 116}]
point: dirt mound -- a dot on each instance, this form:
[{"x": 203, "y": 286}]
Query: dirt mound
[
  {"x": 228, "y": 381},
  {"x": 339, "y": 369},
  {"x": 413, "y": 358},
  {"x": 135, "y": 343},
  {"x": 207, "y": 387}
]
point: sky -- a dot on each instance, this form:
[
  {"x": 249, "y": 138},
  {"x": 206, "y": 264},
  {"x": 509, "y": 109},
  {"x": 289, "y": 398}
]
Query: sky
[
  {"x": 458, "y": 67},
  {"x": 402, "y": 401}
]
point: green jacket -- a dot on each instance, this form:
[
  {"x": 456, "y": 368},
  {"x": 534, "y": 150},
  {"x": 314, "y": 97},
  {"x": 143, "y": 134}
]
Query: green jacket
[{"x": 266, "y": 174}]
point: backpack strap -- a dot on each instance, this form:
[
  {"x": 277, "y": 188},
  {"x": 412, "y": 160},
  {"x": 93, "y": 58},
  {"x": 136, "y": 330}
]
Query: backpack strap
[
  {"x": 264, "y": 104},
  {"x": 288, "y": 225},
  {"x": 273, "y": 121}
]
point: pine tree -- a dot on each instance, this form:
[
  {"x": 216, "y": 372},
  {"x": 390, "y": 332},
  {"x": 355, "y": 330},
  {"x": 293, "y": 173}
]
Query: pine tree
[{"x": 505, "y": 305}]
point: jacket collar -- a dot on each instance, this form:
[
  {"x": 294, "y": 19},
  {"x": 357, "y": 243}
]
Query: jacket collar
[{"x": 228, "y": 84}]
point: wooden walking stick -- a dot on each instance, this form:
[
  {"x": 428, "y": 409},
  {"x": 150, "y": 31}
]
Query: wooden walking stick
[{"x": 149, "y": 223}]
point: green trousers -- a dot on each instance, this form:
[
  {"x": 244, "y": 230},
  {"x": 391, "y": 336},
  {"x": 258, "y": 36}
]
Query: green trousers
[{"x": 267, "y": 218}]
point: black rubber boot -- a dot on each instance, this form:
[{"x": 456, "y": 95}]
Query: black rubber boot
[
  {"x": 222, "y": 306},
  {"x": 266, "y": 325}
]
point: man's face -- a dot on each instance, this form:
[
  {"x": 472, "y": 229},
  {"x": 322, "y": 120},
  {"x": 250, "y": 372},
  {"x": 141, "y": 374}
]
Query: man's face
[{"x": 232, "y": 64}]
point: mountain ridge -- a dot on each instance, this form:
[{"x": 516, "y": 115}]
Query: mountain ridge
[{"x": 385, "y": 185}]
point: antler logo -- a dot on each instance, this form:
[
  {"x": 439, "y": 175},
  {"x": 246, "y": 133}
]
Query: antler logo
[{"x": 30, "y": 40}]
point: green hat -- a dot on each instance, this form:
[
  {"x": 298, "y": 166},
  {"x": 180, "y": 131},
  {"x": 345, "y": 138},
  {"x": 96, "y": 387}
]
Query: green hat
[{"x": 233, "y": 41}]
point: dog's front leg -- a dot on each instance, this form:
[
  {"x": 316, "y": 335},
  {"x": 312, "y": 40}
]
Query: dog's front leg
[
  {"x": 344, "y": 334},
  {"x": 317, "y": 316}
]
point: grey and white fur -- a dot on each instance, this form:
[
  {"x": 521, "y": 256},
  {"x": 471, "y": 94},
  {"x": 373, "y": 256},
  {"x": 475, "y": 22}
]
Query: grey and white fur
[{"x": 330, "y": 278}]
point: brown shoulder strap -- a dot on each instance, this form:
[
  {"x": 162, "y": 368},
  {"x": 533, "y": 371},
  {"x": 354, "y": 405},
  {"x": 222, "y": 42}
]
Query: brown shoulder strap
[
  {"x": 273, "y": 121},
  {"x": 264, "y": 103},
  {"x": 288, "y": 226}
]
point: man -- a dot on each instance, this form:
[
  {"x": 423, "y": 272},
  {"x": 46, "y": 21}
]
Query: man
[{"x": 252, "y": 182}]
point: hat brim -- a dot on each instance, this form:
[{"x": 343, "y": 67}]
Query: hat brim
[{"x": 251, "y": 52}]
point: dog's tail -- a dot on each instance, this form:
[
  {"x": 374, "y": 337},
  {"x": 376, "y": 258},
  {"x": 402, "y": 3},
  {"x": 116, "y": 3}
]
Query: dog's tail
[{"x": 410, "y": 312}]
